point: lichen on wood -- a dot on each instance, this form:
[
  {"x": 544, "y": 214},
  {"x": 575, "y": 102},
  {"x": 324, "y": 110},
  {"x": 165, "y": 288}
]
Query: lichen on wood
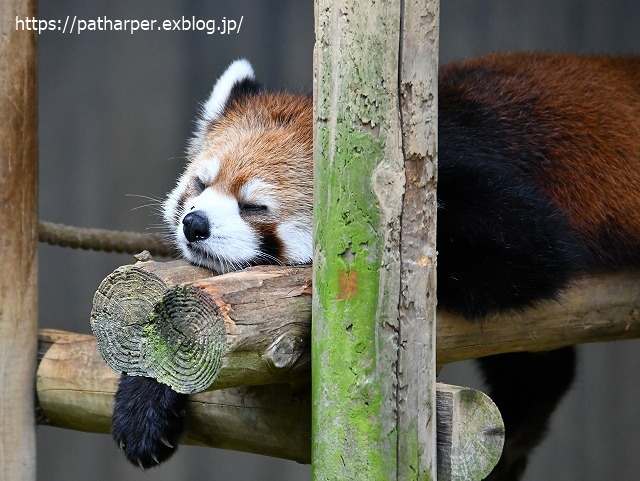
[
  {"x": 374, "y": 290},
  {"x": 185, "y": 340}
]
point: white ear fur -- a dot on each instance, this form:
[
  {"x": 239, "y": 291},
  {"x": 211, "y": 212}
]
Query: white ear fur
[
  {"x": 213, "y": 108},
  {"x": 236, "y": 72}
]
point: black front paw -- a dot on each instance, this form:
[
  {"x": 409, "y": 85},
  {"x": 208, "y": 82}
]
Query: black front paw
[{"x": 148, "y": 420}]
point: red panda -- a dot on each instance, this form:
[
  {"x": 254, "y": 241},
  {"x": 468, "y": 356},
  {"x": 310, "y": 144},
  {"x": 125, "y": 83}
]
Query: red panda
[{"x": 539, "y": 180}]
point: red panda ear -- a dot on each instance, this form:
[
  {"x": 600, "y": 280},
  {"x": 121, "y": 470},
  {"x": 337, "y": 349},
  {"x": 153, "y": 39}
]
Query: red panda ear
[{"x": 236, "y": 82}]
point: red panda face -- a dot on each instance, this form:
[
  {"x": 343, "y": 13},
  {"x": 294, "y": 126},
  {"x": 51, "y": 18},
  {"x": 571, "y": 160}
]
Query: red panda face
[{"x": 245, "y": 197}]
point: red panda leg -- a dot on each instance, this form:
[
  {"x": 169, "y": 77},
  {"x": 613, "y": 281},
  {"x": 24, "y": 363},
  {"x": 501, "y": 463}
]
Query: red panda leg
[
  {"x": 526, "y": 387},
  {"x": 502, "y": 245},
  {"x": 148, "y": 420}
]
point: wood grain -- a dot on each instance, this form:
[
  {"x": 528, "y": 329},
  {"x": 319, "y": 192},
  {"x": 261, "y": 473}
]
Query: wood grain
[
  {"x": 75, "y": 391},
  {"x": 18, "y": 240}
]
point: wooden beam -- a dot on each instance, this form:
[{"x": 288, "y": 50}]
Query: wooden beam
[
  {"x": 18, "y": 240},
  {"x": 597, "y": 308},
  {"x": 266, "y": 315},
  {"x": 373, "y": 366},
  {"x": 416, "y": 369},
  {"x": 75, "y": 391}
]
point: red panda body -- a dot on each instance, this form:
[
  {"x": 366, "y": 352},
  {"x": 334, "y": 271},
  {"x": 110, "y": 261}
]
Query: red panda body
[
  {"x": 539, "y": 180},
  {"x": 581, "y": 117}
]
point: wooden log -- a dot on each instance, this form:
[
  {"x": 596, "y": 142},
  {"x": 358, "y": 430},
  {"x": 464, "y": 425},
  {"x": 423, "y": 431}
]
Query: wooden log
[
  {"x": 18, "y": 239},
  {"x": 75, "y": 390},
  {"x": 603, "y": 307},
  {"x": 123, "y": 302},
  {"x": 416, "y": 369},
  {"x": 470, "y": 433},
  {"x": 266, "y": 315},
  {"x": 145, "y": 315},
  {"x": 375, "y": 71}
]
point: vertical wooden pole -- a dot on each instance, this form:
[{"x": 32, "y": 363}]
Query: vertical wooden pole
[
  {"x": 418, "y": 91},
  {"x": 18, "y": 241},
  {"x": 375, "y": 90}
]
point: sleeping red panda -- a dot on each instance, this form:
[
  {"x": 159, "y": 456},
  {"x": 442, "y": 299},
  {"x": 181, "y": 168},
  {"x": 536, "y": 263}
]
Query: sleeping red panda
[{"x": 539, "y": 180}]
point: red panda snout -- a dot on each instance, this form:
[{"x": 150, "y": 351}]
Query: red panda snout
[{"x": 195, "y": 226}]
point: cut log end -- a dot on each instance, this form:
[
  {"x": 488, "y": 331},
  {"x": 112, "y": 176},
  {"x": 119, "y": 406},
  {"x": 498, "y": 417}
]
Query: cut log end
[
  {"x": 470, "y": 433},
  {"x": 120, "y": 309},
  {"x": 180, "y": 341},
  {"x": 184, "y": 342}
]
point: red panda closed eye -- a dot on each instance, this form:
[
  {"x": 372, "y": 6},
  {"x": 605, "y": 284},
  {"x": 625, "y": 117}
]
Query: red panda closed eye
[{"x": 539, "y": 180}]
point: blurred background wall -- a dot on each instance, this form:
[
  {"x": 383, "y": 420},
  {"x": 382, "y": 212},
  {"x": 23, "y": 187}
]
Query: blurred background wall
[{"x": 115, "y": 110}]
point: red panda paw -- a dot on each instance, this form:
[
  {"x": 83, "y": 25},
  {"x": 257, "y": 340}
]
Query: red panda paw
[{"x": 148, "y": 420}]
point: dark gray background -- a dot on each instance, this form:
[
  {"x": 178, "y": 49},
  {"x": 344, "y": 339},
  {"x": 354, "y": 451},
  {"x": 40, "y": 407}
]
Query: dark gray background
[{"x": 115, "y": 110}]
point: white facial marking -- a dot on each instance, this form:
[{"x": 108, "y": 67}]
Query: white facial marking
[
  {"x": 259, "y": 192},
  {"x": 170, "y": 205},
  {"x": 231, "y": 244},
  {"x": 297, "y": 238},
  {"x": 208, "y": 170}
]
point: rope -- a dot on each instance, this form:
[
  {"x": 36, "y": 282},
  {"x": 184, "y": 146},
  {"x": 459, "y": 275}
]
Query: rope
[{"x": 101, "y": 239}]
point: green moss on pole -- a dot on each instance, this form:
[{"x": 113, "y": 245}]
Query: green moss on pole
[{"x": 368, "y": 285}]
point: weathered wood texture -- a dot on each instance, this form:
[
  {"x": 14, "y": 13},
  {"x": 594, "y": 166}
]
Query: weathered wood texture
[
  {"x": 416, "y": 371},
  {"x": 18, "y": 240},
  {"x": 75, "y": 390},
  {"x": 373, "y": 343},
  {"x": 597, "y": 308},
  {"x": 263, "y": 312},
  {"x": 266, "y": 312},
  {"x": 470, "y": 434}
]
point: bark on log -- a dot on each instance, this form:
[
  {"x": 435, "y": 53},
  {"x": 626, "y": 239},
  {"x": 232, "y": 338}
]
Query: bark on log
[
  {"x": 597, "y": 308},
  {"x": 75, "y": 390},
  {"x": 266, "y": 315}
]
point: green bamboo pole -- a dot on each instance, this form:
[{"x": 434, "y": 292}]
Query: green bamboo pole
[
  {"x": 373, "y": 352},
  {"x": 18, "y": 241}
]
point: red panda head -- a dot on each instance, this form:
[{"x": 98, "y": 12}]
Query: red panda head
[{"x": 246, "y": 195}]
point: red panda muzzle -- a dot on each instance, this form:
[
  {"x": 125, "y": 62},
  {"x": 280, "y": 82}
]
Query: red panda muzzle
[{"x": 195, "y": 226}]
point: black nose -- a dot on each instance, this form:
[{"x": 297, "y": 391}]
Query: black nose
[{"x": 195, "y": 226}]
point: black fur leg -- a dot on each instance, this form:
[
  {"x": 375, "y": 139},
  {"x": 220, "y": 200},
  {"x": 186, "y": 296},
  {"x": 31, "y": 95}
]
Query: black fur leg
[
  {"x": 501, "y": 244},
  {"x": 148, "y": 420},
  {"x": 526, "y": 387}
]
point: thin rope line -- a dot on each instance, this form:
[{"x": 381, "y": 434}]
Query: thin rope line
[{"x": 101, "y": 239}]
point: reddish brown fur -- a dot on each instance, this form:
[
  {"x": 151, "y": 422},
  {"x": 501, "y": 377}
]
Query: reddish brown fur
[
  {"x": 592, "y": 102},
  {"x": 261, "y": 131}
]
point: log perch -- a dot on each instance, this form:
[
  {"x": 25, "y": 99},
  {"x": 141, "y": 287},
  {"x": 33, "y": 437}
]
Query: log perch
[
  {"x": 75, "y": 390},
  {"x": 245, "y": 328},
  {"x": 265, "y": 313}
]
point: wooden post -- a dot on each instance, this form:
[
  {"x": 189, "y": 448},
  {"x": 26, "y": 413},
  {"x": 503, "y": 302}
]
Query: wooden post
[
  {"x": 373, "y": 354},
  {"x": 18, "y": 241}
]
